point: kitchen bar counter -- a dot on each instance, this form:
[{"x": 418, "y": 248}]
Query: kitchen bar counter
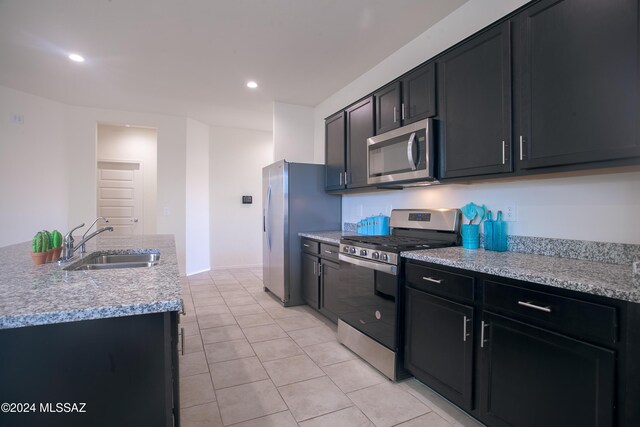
[
  {"x": 598, "y": 278},
  {"x": 45, "y": 294}
]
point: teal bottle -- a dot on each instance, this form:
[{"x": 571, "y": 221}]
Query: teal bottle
[
  {"x": 499, "y": 234},
  {"x": 488, "y": 232}
]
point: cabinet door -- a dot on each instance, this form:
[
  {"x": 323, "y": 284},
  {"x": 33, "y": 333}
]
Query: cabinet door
[
  {"x": 419, "y": 94},
  {"x": 360, "y": 126},
  {"x": 578, "y": 82},
  {"x": 439, "y": 345},
  {"x": 330, "y": 289},
  {"x": 310, "y": 280},
  {"x": 388, "y": 108},
  {"x": 530, "y": 377},
  {"x": 334, "y": 128},
  {"x": 474, "y": 96}
]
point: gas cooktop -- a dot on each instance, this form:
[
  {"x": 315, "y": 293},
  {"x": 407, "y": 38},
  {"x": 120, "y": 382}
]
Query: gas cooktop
[{"x": 412, "y": 229}]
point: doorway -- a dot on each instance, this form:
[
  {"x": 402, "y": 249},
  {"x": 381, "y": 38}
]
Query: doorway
[
  {"x": 127, "y": 178},
  {"x": 120, "y": 196}
]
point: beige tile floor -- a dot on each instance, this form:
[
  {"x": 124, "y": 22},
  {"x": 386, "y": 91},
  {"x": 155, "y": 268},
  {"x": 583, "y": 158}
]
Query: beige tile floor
[{"x": 251, "y": 362}]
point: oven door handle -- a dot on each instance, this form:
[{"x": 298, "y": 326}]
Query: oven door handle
[{"x": 384, "y": 268}]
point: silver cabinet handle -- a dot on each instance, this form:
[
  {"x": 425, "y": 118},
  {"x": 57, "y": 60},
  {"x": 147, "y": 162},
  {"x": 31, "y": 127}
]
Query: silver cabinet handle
[
  {"x": 340, "y": 178},
  {"x": 183, "y": 311},
  {"x": 412, "y": 163},
  {"x": 395, "y": 119},
  {"x": 535, "y": 307},
  {"x": 182, "y": 340},
  {"x": 346, "y": 178},
  {"x": 464, "y": 328},
  {"x": 315, "y": 273},
  {"x": 328, "y": 252},
  {"x": 431, "y": 279},
  {"x": 403, "y": 111},
  {"x": 482, "y": 326},
  {"x": 521, "y": 138},
  {"x": 319, "y": 269},
  {"x": 306, "y": 246},
  {"x": 503, "y": 153}
]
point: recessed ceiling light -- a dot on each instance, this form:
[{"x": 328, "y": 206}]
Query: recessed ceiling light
[
  {"x": 252, "y": 85},
  {"x": 76, "y": 58}
]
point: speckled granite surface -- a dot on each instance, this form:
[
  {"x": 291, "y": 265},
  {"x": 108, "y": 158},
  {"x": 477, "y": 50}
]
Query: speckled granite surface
[
  {"x": 611, "y": 253},
  {"x": 332, "y": 237},
  {"x": 598, "y": 278},
  {"x": 45, "y": 294}
]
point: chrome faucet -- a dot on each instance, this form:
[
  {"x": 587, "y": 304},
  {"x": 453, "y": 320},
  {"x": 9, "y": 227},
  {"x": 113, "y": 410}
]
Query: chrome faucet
[
  {"x": 82, "y": 246},
  {"x": 68, "y": 247}
]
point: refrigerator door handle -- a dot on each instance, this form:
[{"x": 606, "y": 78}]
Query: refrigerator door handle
[{"x": 268, "y": 231}]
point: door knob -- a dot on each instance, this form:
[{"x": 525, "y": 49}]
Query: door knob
[{"x": 134, "y": 220}]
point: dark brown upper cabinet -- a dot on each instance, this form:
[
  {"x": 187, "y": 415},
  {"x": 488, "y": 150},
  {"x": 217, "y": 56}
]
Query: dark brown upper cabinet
[
  {"x": 474, "y": 97},
  {"x": 407, "y": 100},
  {"x": 335, "y": 151},
  {"x": 577, "y": 82},
  {"x": 360, "y": 126}
]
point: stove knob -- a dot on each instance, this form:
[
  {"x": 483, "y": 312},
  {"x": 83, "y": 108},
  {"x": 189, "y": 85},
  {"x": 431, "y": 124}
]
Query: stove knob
[
  {"x": 385, "y": 257},
  {"x": 375, "y": 255},
  {"x": 345, "y": 249},
  {"x": 363, "y": 252},
  {"x": 352, "y": 250}
]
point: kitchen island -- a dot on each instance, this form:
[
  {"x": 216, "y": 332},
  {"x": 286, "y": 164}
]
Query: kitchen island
[{"x": 96, "y": 347}]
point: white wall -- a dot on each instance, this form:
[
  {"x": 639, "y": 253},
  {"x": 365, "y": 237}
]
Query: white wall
[
  {"x": 134, "y": 144},
  {"x": 33, "y": 167},
  {"x": 237, "y": 157},
  {"x": 293, "y": 133},
  {"x": 48, "y": 167},
  {"x": 600, "y": 207},
  {"x": 81, "y": 148},
  {"x": 197, "y": 198}
]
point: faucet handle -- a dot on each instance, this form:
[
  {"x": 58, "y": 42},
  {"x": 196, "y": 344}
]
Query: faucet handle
[{"x": 69, "y": 235}]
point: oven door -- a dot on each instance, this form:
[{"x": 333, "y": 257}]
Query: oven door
[
  {"x": 402, "y": 154},
  {"x": 368, "y": 299}
]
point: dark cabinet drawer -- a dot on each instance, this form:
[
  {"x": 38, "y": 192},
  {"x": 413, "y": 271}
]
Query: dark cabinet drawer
[
  {"x": 440, "y": 282},
  {"x": 585, "y": 320},
  {"x": 329, "y": 251},
  {"x": 310, "y": 246}
]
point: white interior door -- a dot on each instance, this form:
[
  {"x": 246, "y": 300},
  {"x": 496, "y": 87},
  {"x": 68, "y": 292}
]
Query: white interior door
[{"x": 120, "y": 196}]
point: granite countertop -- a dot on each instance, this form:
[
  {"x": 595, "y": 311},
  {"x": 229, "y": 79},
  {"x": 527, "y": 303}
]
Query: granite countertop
[
  {"x": 598, "y": 278},
  {"x": 332, "y": 237},
  {"x": 45, "y": 294}
]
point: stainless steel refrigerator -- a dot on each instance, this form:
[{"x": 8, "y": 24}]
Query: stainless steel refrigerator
[{"x": 293, "y": 201}]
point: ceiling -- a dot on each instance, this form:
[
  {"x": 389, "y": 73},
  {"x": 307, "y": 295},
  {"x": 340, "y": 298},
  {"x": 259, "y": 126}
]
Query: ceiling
[{"x": 193, "y": 57}]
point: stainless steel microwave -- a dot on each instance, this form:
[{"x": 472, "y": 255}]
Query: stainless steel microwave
[{"x": 403, "y": 154}]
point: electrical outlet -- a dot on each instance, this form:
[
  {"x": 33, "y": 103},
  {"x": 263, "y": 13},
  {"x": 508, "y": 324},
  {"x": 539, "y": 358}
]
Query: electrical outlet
[
  {"x": 510, "y": 213},
  {"x": 17, "y": 118}
]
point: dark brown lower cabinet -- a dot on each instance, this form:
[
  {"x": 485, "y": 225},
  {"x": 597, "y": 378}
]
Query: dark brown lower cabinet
[
  {"x": 330, "y": 289},
  {"x": 310, "y": 285},
  {"x": 531, "y": 377},
  {"x": 120, "y": 371},
  {"x": 439, "y": 345}
]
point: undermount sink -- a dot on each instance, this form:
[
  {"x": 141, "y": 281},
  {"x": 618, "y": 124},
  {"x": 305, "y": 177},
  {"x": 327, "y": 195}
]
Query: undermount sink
[{"x": 105, "y": 260}]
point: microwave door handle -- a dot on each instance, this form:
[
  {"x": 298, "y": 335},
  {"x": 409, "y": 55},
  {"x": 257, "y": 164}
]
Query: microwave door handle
[{"x": 412, "y": 162}]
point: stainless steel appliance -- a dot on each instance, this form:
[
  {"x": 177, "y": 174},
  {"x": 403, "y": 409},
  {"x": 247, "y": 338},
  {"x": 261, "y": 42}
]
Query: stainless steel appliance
[
  {"x": 293, "y": 200},
  {"x": 403, "y": 154},
  {"x": 370, "y": 309}
]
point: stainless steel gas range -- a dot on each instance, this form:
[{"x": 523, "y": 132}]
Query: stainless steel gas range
[{"x": 370, "y": 309}]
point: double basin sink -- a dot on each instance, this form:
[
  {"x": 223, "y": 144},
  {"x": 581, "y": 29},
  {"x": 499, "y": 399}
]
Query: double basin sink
[{"x": 104, "y": 260}]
